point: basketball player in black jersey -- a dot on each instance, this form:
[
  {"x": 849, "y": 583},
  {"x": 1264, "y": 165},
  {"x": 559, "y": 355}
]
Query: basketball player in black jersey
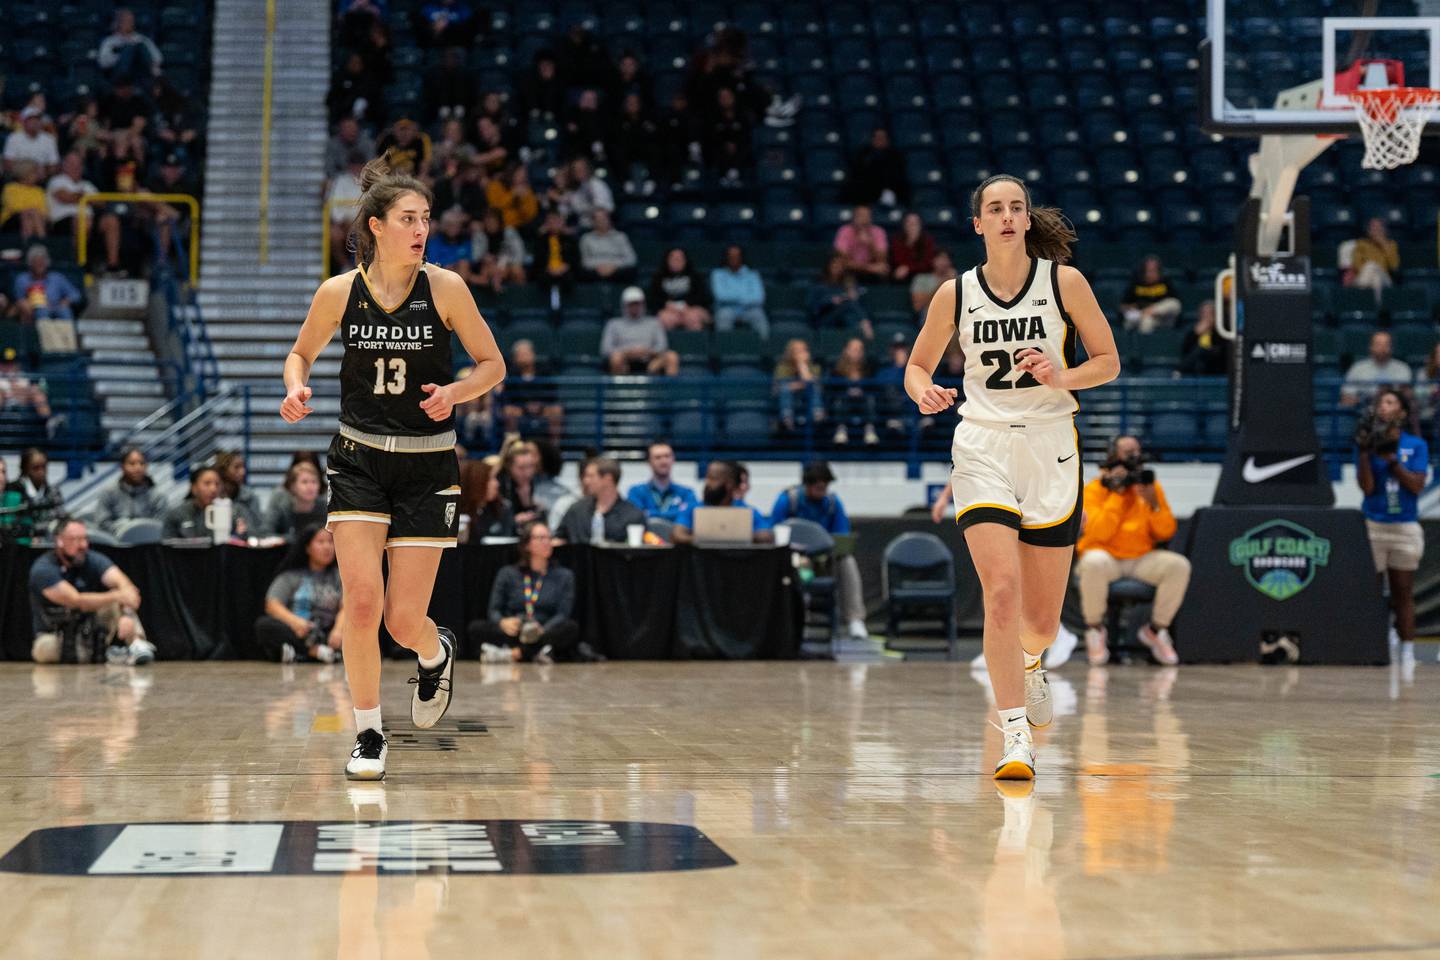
[{"x": 394, "y": 479}]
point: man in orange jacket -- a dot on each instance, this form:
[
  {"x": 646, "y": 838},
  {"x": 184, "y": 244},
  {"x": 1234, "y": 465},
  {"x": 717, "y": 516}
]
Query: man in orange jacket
[{"x": 1125, "y": 516}]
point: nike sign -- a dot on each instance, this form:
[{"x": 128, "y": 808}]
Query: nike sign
[
  {"x": 1253, "y": 473},
  {"x": 973, "y": 309}
]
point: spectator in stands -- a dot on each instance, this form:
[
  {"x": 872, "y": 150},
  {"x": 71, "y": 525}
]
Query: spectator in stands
[
  {"x": 41, "y": 498},
  {"x": 128, "y": 54},
  {"x": 589, "y": 132},
  {"x": 742, "y": 485},
  {"x": 448, "y": 23},
  {"x": 1202, "y": 352},
  {"x": 18, "y": 391},
  {"x": 174, "y": 125},
  {"x": 835, "y": 300},
  {"x": 12, "y": 506},
  {"x": 1375, "y": 260},
  {"x": 475, "y": 423},
  {"x": 407, "y": 148},
  {"x": 587, "y": 62},
  {"x": 1379, "y": 370},
  {"x": 812, "y": 500},
  {"x": 133, "y": 497},
  {"x": 684, "y": 295},
  {"x": 31, "y": 142},
  {"x": 724, "y": 62},
  {"x": 586, "y": 194},
  {"x": 462, "y": 184},
  {"x": 863, "y": 246},
  {"x": 728, "y": 136},
  {"x": 556, "y": 257},
  {"x": 354, "y": 92},
  {"x": 301, "y": 506},
  {"x": 491, "y": 153},
  {"x": 22, "y": 203},
  {"x": 633, "y": 80},
  {"x": 186, "y": 520},
  {"x": 527, "y": 407},
  {"x": 1427, "y": 389},
  {"x": 660, "y": 496},
  {"x": 606, "y": 253},
  {"x": 1392, "y": 467},
  {"x": 127, "y": 109},
  {"x": 722, "y": 479},
  {"x": 923, "y": 287},
  {"x": 357, "y": 18},
  {"x": 122, "y": 171},
  {"x": 634, "y": 342},
  {"x": 636, "y": 145},
  {"x": 244, "y": 501},
  {"x": 912, "y": 251},
  {"x": 452, "y": 149},
  {"x": 492, "y": 107},
  {"x": 483, "y": 511},
  {"x": 304, "y": 614},
  {"x": 343, "y": 195},
  {"x": 172, "y": 177},
  {"x": 501, "y": 252},
  {"x": 519, "y": 465},
  {"x": 83, "y": 606},
  {"x": 63, "y": 193},
  {"x": 739, "y": 294},
  {"x": 797, "y": 384},
  {"x": 678, "y": 142},
  {"x": 602, "y": 515},
  {"x": 85, "y": 132},
  {"x": 1125, "y": 518},
  {"x": 529, "y": 616},
  {"x": 553, "y": 496},
  {"x": 542, "y": 91},
  {"x": 349, "y": 139},
  {"x": 451, "y": 246},
  {"x": 448, "y": 92},
  {"x": 513, "y": 196},
  {"x": 40, "y": 293},
  {"x": 877, "y": 173},
  {"x": 1150, "y": 300},
  {"x": 853, "y": 403},
  {"x": 893, "y": 403}
]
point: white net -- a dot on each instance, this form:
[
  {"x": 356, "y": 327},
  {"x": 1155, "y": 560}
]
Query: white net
[{"x": 1392, "y": 122}]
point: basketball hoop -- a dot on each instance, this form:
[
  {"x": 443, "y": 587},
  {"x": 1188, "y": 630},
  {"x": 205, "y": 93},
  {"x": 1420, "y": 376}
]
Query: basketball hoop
[{"x": 1392, "y": 121}]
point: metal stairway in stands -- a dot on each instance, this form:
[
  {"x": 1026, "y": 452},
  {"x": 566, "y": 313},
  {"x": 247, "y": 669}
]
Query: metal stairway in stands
[{"x": 253, "y": 310}]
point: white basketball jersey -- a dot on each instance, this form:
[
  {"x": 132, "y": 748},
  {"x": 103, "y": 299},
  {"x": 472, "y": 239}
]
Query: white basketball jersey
[{"x": 992, "y": 332}]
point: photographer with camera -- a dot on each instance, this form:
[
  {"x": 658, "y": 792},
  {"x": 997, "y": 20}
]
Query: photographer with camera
[
  {"x": 1391, "y": 465},
  {"x": 1125, "y": 517}
]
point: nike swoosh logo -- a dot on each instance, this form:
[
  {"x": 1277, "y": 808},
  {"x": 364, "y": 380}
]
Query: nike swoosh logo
[
  {"x": 1254, "y": 473},
  {"x": 1063, "y": 459},
  {"x": 973, "y": 309}
]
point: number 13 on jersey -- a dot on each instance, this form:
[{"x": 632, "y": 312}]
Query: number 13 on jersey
[{"x": 396, "y": 383}]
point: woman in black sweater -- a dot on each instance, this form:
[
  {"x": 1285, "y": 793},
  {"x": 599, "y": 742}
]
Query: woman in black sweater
[{"x": 530, "y": 605}]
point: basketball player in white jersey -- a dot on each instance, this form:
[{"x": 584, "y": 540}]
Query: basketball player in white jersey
[{"x": 1016, "y": 478}]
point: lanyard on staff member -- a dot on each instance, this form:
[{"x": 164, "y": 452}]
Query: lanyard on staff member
[{"x": 532, "y": 594}]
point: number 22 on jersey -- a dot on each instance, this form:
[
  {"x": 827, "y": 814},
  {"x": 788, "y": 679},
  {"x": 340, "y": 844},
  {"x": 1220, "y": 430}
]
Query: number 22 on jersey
[
  {"x": 1003, "y": 363},
  {"x": 396, "y": 383}
]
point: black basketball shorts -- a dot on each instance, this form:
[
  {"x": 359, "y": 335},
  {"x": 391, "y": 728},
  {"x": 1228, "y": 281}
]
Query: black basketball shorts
[{"x": 416, "y": 494}]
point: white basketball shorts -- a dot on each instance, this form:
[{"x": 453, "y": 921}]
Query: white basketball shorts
[{"x": 1023, "y": 475}]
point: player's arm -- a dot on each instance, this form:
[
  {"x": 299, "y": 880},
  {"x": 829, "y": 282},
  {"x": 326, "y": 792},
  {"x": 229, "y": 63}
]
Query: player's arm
[
  {"x": 326, "y": 309},
  {"x": 457, "y": 307},
  {"x": 930, "y": 345},
  {"x": 1103, "y": 364}
]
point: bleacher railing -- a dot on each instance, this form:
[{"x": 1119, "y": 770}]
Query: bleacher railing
[{"x": 82, "y": 233}]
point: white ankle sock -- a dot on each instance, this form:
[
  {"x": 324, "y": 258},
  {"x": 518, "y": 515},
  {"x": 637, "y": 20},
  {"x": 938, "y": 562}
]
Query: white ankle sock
[
  {"x": 436, "y": 660},
  {"x": 367, "y": 719},
  {"x": 1013, "y": 719},
  {"x": 1032, "y": 660}
]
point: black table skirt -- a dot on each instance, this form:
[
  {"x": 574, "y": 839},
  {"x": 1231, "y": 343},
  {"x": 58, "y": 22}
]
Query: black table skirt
[{"x": 632, "y": 604}]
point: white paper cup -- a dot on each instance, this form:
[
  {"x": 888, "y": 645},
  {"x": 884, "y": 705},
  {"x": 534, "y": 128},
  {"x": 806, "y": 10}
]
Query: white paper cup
[
  {"x": 782, "y": 535},
  {"x": 635, "y": 534}
]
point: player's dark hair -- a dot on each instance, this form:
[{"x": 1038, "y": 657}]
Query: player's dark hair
[
  {"x": 1051, "y": 233},
  {"x": 380, "y": 187}
]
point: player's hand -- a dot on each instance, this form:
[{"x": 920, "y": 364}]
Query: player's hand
[
  {"x": 937, "y": 398},
  {"x": 293, "y": 408},
  {"x": 1038, "y": 365},
  {"x": 939, "y": 509},
  {"x": 438, "y": 405}
]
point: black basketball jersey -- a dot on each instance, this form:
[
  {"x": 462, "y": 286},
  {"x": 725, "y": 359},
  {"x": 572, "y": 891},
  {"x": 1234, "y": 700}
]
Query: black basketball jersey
[{"x": 389, "y": 354}]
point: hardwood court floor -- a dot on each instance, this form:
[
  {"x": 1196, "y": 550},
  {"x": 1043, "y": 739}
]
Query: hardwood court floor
[{"x": 1195, "y": 813}]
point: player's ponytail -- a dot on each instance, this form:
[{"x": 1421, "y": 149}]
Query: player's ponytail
[
  {"x": 380, "y": 187},
  {"x": 1051, "y": 233}
]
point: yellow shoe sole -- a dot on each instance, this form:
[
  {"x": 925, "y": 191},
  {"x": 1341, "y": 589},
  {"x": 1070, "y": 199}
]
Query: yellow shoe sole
[
  {"x": 1015, "y": 789},
  {"x": 1015, "y": 770}
]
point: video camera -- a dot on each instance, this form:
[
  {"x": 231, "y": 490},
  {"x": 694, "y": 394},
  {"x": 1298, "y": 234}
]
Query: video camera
[
  {"x": 1375, "y": 434},
  {"x": 1135, "y": 472}
]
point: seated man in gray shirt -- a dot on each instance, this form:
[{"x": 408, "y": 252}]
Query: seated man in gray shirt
[
  {"x": 602, "y": 510},
  {"x": 530, "y": 605},
  {"x": 1380, "y": 369},
  {"x": 606, "y": 253},
  {"x": 634, "y": 342}
]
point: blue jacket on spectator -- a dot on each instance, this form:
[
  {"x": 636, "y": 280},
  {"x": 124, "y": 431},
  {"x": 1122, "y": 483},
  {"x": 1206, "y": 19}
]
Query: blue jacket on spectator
[
  {"x": 666, "y": 504},
  {"x": 829, "y": 512},
  {"x": 737, "y": 288}
]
